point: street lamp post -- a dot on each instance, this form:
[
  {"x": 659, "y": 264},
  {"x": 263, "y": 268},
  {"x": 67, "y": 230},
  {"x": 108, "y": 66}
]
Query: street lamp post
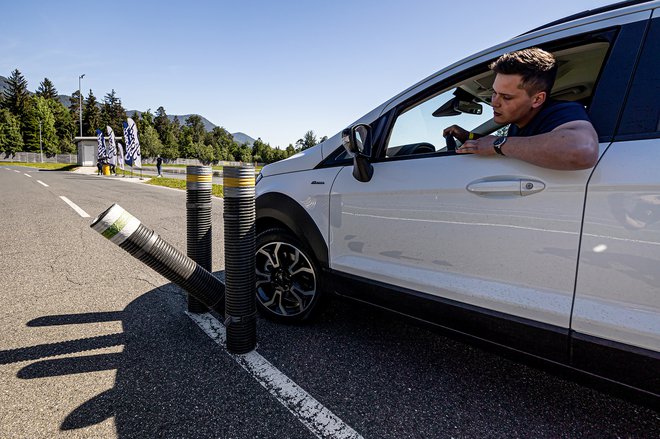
[
  {"x": 80, "y": 100},
  {"x": 41, "y": 148}
]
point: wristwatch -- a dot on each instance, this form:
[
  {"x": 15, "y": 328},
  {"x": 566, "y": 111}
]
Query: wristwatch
[{"x": 497, "y": 144}]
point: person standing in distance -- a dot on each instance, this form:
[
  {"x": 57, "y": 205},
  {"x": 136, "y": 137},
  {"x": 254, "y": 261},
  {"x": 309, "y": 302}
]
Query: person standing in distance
[
  {"x": 547, "y": 133},
  {"x": 159, "y": 165}
]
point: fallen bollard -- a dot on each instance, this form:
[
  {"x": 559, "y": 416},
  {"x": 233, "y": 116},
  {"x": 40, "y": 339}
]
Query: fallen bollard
[
  {"x": 144, "y": 244},
  {"x": 240, "y": 246},
  {"x": 198, "y": 222}
]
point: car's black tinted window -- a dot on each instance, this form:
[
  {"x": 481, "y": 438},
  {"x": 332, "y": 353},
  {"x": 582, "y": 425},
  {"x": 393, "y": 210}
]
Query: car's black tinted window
[{"x": 642, "y": 113}]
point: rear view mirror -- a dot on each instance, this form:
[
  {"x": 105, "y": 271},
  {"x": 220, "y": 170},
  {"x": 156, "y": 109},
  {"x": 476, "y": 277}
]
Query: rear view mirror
[
  {"x": 456, "y": 106},
  {"x": 469, "y": 107},
  {"x": 357, "y": 141}
]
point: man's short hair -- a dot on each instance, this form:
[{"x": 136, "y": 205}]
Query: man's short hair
[{"x": 537, "y": 67}]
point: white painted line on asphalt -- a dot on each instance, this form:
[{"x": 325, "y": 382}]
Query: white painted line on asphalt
[
  {"x": 42, "y": 183},
  {"x": 78, "y": 210},
  {"x": 27, "y": 175},
  {"x": 318, "y": 419},
  {"x": 16, "y": 170}
]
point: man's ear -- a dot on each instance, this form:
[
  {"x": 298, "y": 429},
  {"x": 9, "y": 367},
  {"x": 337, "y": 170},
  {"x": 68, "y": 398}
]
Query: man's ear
[{"x": 538, "y": 99}]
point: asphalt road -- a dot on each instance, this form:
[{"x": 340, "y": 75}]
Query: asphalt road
[{"x": 95, "y": 344}]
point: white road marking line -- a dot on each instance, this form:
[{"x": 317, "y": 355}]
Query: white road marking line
[
  {"x": 27, "y": 175},
  {"x": 42, "y": 183},
  {"x": 16, "y": 170},
  {"x": 318, "y": 419},
  {"x": 78, "y": 210}
]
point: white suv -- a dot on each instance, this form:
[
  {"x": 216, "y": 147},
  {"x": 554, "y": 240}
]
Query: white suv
[{"x": 560, "y": 265}]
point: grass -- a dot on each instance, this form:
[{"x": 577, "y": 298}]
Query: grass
[
  {"x": 215, "y": 168},
  {"x": 48, "y": 166},
  {"x": 181, "y": 184}
]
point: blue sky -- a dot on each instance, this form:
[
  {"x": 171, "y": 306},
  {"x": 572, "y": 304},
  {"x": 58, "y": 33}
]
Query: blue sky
[{"x": 269, "y": 69}]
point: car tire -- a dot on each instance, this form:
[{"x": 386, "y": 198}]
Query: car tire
[{"x": 287, "y": 277}]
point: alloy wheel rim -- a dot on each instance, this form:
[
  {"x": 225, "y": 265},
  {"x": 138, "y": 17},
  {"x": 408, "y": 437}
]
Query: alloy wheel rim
[{"x": 286, "y": 281}]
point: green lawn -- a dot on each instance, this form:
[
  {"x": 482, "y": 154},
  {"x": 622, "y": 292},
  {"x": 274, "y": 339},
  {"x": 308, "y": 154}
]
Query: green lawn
[
  {"x": 181, "y": 184},
  {"x": 48, "y": 166}
]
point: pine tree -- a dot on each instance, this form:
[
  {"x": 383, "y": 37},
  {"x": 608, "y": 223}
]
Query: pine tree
[
  {"x": 112, "y": 112},
  {"x": 47, "y": 90},
  {"x": 74, "y": 108},
  {"x": 308, "y": 140},
  {"x": 162, "y": 124},
  {"x": 91, "y": 116},
  {"x": 65, "y": 127},
  {"x": 16, "y": 95}
]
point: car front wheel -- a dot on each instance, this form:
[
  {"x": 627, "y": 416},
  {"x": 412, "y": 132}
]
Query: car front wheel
[{"x": 287, "y": 277}]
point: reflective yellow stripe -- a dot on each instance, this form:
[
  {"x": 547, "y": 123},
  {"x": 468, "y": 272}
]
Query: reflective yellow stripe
[
  {"x": 199, "y": 178},
  {"x": 238, "y": 182}
]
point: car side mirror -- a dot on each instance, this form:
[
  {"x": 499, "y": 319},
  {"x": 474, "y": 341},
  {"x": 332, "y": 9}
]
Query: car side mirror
[{"x": 357, "y": 141}]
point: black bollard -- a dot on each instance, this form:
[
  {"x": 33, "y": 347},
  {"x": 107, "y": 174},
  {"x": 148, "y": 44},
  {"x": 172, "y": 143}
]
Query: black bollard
[
  {"x": 129, "y": 233},
  {"x": 198, "y": 223},
  {"x": 240, "y": 246}
]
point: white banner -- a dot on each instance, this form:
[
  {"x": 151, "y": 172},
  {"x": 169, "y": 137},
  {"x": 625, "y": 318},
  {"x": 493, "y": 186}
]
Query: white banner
[
  {"x": 101, "y": 146},
  {"x": 132, "y": 143},
  {"x": 111, "y": 147},
  {"x": 120, "y": 156}
]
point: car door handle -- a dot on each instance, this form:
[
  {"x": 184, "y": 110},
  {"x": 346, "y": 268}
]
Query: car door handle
[{"x": 509, "y": 186}]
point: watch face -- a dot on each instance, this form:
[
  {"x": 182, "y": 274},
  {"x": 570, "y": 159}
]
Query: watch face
[{"x": 499, "y": 141}]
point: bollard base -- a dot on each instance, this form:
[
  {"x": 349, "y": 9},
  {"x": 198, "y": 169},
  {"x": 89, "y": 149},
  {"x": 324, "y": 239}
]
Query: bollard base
[{"x": 195, "y": 306}]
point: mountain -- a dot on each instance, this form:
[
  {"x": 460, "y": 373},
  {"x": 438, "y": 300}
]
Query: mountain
[
  {"x": 208, "y": 125},
  {"x": 242, "y": 138}
]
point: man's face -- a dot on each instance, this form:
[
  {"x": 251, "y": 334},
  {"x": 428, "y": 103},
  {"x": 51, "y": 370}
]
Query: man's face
[{"x": 511, "y": 103}]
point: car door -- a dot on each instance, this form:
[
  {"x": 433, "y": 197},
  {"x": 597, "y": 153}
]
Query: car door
[
  {"x": 617, "y": 301},
  {"x": 490, "y": 233}
]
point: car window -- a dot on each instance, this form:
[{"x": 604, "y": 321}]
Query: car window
[
  {"x": 641, "y": 117},
  {"x": 419, "y": 129}
]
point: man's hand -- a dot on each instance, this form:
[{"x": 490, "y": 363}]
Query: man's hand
[
  {"x": 481, "y": 146},
  {"x": 456, "y": 131}
]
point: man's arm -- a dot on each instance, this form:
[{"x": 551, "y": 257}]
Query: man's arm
[{"x": 570, "y": 146}]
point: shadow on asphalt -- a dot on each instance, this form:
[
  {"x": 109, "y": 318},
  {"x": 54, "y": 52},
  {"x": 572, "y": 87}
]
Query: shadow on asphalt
[{"x": 380, "y": 374}]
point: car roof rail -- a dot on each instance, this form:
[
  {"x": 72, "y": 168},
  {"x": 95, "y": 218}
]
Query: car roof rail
[{"x": 590, "y": 12}]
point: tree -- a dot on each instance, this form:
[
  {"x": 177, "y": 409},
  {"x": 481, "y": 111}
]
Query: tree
[
  {"x": 112, "y": 112},
  {"x": 74, "y": 108},
  {"x": 16, "y": 95},
  {"x": 203, "y": 153},
  {"x": 308, "y": 140},
  {"x": 11, "y": 140},
  {"x": 150, "y": 144},
  {"x": 65, "y": 127},
  {"x": 162, "y": 124},
  {"x": 196, "y": 125},
  {"x": 223, "y": 144},
  {"x": 261, "y": 152},
  {"x": 91, "y": 116},
  {"x": 243, "y": 153},
  {"x": 47, "y": 90},
  {"x": 40, "y": 126}
]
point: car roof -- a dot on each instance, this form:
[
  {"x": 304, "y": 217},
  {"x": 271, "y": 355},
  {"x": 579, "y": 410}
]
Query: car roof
[
  {"x": 572, "y": 21},
  {"x": 591, "y": 12}
]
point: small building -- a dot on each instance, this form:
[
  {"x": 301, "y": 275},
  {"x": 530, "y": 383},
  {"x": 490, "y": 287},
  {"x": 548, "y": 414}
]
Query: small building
[{"x": 87, "y": 148}]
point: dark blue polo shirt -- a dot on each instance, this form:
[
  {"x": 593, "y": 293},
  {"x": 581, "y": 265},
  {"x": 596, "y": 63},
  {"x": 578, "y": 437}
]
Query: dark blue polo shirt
[{"x": 552, "y": 114}]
